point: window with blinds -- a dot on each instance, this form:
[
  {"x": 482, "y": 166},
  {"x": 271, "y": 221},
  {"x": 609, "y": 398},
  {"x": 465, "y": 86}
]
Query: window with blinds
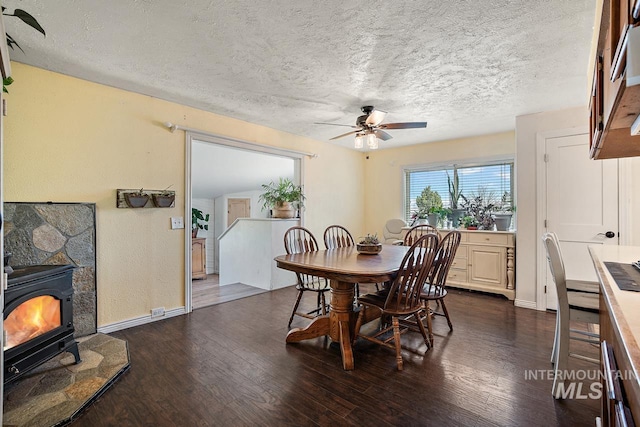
[{"x": 492, "y": 179}]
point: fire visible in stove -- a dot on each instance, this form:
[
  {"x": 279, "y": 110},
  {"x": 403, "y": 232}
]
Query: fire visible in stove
[
  {"x": 31, "y": 319},
  {"x": 38, "y": 322}
]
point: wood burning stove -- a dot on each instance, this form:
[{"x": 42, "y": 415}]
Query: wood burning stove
[{"x": 38, "y": 317}]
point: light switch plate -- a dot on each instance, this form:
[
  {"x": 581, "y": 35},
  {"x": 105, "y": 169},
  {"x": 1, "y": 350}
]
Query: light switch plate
[{"x": 177, "y": 222}]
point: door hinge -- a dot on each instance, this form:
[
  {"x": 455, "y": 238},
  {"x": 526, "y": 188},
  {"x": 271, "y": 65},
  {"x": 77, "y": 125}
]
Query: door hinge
[
  {"x": 546, "y": 157},
  {"x": 545, "y": 223},
  {"x": 545, "y": 289},
  {"x": 4, "y": 107}
]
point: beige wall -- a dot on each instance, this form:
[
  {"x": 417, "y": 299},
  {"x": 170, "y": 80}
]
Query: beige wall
[
  {"x": 384, "y": 198},
  {"x": 69, "y": 140}
]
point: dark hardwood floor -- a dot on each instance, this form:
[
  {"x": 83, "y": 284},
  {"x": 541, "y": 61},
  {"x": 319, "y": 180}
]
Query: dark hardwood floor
[{"x": 228, "y": 365}]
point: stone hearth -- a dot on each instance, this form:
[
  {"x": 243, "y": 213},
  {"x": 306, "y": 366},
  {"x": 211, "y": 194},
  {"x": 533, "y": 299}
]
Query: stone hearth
[{"x": 56, "y": 392}]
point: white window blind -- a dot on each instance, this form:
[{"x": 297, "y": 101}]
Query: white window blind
[{"x": 494, "y": 179}]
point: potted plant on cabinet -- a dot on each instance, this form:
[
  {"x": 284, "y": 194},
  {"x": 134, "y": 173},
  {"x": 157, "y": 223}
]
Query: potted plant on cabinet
[
  {"x": 419, "y": 216},
  {"x": 429, "y": 201},
  {"x": 455, "y": 192},
  {"x": 369, "y": 245},
  {"x": 196, "y": 216},
  {"x": 480, "y": 206},
  {"x": 469, "y": 222},
  {"x": 283, "y": 197},
  {"x": 503, "y": 212}
]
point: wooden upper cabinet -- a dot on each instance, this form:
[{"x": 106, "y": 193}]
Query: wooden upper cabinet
[{"x": 614, "y": 106}]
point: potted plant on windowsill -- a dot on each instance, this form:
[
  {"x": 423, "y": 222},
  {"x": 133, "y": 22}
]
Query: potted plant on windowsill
[
  {"x": 369, "y": 245},
  {"x": 283, "y": 197},
  {"x": 196, "y": 216}
]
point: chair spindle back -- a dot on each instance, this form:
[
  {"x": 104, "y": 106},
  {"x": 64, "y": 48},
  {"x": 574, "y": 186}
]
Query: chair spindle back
[{"x": 404, "y": 293}]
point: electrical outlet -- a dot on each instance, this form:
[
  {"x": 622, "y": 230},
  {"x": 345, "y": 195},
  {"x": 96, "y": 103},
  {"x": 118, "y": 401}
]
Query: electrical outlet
[
  {"x": 157, "y": 312},
  {"x": 177, "y": 222}
]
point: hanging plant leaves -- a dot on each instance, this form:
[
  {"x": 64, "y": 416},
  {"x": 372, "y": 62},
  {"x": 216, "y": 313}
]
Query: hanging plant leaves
[
  {"x": 29, "y": 20},
  {"x": 11, "y": 42},
  {"x": 6, "y": 82}
]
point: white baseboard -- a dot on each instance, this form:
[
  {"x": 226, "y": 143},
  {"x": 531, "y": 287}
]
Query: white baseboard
[
  {"x": 125, "y": 324},
  {"x": 525, "y": 304}
]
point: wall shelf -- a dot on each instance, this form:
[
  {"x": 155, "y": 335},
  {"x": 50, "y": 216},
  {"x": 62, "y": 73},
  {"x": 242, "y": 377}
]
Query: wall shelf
[{"x": 156, "y": 199}]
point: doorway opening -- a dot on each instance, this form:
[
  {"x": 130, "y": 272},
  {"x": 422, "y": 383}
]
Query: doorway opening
[{"x": 224, "y": 179}]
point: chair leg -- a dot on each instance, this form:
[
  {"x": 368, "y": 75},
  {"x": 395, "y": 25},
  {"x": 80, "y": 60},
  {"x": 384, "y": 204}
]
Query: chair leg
[
  {"x": 323, "y": 301},
  {"x": 555, "y": 341},
  {"x": 429, "y": 326},
  {"x": 561, "y": 360},
  {"x": 396, "y": 338},
  {"x": 356, "y": 329},
  {"x": 446, "y": 313},
  {"x": 422, "y": 330},
  {"x": 295, "y": 307}
]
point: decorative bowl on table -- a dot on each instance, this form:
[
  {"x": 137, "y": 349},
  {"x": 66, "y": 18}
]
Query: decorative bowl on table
[
  {"x": 369, "y": 245},
  {"x": 368, "y": 248}
]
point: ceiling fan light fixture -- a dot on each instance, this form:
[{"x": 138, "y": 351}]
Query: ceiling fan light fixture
[
  {"x": 372, "y": 141},
  {"x": 359, "y": 141}
]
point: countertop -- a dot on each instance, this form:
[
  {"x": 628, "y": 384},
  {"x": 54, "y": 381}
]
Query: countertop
[{"x": 623, "y": 306}]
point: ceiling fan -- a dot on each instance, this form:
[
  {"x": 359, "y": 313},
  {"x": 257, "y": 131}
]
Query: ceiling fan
[{"x": 370, "y": 123}]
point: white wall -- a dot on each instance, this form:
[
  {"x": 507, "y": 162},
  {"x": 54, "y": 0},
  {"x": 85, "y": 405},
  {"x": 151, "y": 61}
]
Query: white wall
[
  {"x": 220, "y": 223},
  {"x": 207, "y": 207}
]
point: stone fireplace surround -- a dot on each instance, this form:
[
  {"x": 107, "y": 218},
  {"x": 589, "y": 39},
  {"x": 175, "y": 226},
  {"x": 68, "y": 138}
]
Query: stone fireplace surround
[{"x": 56, "y": 234}]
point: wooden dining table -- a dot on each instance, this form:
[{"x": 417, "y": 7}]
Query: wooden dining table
[{"x": 344, "y": 267}]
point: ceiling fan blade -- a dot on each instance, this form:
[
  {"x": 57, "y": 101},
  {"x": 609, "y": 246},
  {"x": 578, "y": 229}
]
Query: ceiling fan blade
[
  {"x": 408, "y": 125},
  {"x": 344, "y": 134},
  {"x": 380, "y": 134},
  {"x": 375, "y": 118},
  {"x": 336, "y": 124}
]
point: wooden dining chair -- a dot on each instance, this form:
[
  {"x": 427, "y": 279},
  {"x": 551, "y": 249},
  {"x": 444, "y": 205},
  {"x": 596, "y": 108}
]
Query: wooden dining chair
[
  {"x": 403, "y": 297},
  {"x": 299, "y": 240},
  {"x": 416, "y": 231},
  {"x": 336, "y": 236},
  {"x": 573, "y": 306},
  {"x": 435, "y": 289}
]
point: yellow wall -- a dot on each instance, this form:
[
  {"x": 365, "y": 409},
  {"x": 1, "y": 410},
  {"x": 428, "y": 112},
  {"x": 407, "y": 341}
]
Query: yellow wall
[
  {"x": 384, "y": 178},
  {"x": 69, "y": 140}
]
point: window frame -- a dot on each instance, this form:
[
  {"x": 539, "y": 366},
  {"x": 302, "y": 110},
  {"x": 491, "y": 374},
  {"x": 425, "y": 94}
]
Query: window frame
[{"x": 478, "y": 162}]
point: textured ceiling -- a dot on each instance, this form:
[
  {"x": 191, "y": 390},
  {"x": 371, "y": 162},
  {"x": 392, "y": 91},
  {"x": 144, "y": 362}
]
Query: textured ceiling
[{"x": 465, "y": 67}]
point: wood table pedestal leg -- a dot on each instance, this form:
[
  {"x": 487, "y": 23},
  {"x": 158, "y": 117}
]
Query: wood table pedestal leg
[{"x": 341, "y": 319}]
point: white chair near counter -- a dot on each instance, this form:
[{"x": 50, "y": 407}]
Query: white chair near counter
[{"x": 573, "y": 305}]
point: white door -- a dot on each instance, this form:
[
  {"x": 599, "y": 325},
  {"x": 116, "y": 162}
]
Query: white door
[{"x": 581, "y": 205}]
